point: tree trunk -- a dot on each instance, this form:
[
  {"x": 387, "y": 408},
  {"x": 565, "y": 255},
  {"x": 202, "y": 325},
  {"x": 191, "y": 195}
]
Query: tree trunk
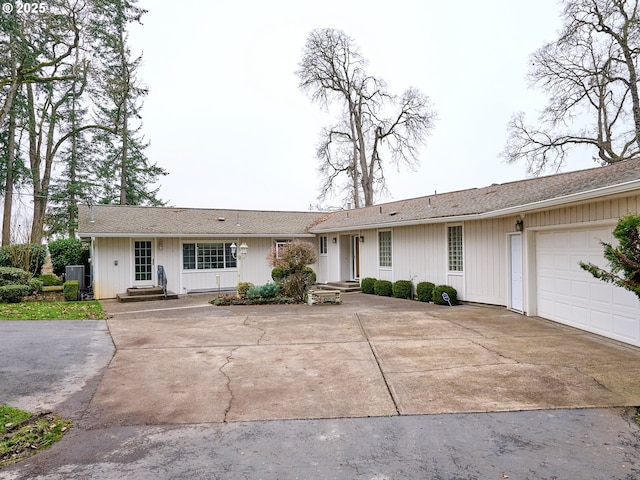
[
  {"x": 8, "y": 198},
  {"x": 123, "y": 159}
]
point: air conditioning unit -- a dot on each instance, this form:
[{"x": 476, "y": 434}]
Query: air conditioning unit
[{"x": 75, "y": 272}]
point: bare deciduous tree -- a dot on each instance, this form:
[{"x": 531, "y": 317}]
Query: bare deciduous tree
[
  {"x": 590, "y": 75},
  {"x": 373, "y": 123}
]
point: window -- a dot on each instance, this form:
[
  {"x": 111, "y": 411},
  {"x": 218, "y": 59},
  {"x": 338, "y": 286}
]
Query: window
[
  {"x": 384, "y": 248},
  {"x": 280, "y": 246},
  {"x": 454, "y": 248},
  {"x": 189, "y": 256},
  {"x": 323, "y": 245},
  {"x": 207, "y": 256}
]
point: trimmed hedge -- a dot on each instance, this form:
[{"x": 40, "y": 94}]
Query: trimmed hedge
[
  {"x": 402, "y": 289},
  {"x": 439, "y": 290},
  {"x": 35, "y": 285},
  {"x": 13, "y": 293},
  {"x": 383, "y": 288},
  {"x": 278, "y": 274},
  {"x": 50, "y": 280},
  {"x": 70, "y": 290},
  {"x": 424, "y": 291},
  {"x": 13, "y": 276},
  {"x": 367, "y": 285}
]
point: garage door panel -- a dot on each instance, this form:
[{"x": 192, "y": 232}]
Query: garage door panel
[
  {"x": 580, "y": 289},
  {"x": 568, "y": 294},
  {"x": 580, "y": 315},
  {"x": 624, "y": 299},
  {"x": 560, "y": 239},
  {"x": 578, "y": 240},
  {"x": 626, "y": 326},
  {"x": 602, "y": 322}
]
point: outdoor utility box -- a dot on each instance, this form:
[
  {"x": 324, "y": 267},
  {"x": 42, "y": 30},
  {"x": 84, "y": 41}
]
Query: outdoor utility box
[{"x": 75, "y": 272}]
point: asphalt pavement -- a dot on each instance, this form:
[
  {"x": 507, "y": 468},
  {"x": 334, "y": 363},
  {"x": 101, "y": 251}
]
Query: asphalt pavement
[{"x": 66, "y": 366}]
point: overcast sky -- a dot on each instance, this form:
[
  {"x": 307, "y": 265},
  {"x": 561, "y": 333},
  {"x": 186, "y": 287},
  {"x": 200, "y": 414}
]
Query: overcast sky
[{"x": 226, "y": 118}]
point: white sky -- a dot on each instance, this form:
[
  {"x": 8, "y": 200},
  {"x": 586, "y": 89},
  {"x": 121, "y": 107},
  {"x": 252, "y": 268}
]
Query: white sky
[{"x": 225, "y": 116}]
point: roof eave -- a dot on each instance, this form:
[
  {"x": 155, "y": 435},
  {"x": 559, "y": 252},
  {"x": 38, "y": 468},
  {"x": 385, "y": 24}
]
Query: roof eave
[
  {"x": 624, "y": 187},
  {"x": 190, "y": 235}
]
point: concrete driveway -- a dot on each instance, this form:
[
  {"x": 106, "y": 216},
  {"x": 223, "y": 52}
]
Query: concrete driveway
[
  {"x": 184, "y": 362},
  {"x": 169, "y": 400}
]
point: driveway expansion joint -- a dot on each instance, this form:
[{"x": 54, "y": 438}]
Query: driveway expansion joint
[{"x": 375, "y": 356}]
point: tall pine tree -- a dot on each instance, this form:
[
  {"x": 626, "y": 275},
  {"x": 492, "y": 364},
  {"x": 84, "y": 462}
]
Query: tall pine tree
[{"x": 119, "y": 95}]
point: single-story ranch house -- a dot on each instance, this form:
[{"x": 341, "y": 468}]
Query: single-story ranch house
[{"x": 515, "y": 244}]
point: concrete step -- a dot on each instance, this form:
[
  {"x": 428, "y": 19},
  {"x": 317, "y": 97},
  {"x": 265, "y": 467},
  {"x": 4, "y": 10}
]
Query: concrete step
[
  {"x": 347, "y": 286},
  {"x": 144, "y": 291},
  {"x": 145, "y": 296}
]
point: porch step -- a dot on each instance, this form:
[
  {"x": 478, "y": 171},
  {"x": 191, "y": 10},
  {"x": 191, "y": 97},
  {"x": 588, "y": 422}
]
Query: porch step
[
  {"x": 347, "y": 286},
  {"x": 144, "y": 295}
]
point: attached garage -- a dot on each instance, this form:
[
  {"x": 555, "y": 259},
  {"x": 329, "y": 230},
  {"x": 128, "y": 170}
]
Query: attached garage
[{"x": 569, "y": 295}]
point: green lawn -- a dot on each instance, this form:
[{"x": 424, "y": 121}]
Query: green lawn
[
  {"x": 22, "y": 433},
  {"x": 91, "y": 310}
]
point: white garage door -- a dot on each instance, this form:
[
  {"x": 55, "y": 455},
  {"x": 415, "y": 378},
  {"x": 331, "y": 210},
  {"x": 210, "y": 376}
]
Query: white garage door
[{"x": 569, "y": 295}]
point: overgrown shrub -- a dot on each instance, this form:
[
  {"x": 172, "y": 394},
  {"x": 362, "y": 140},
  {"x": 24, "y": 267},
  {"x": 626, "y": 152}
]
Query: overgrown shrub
[
  {"x": 70, "y": 290},
  {"x": 13, "y": 276},
  {"x": 243, "y": 289},
  {"x": 65, "y": 251},
  {"x": 402, "y": 289},
  {"x": 28, "y": 257},
  {"x": 383, "y": 288},
  {"x": 439, "y": 290},
  {"x": 291, "y": 270},
  {"x": 424, "y": 291},
  {"x": 50, "y": 280},
  {"x": 13, "y": 293},
  {"x": 367, "y": 285},
  {"x": 296, "y": 285}
]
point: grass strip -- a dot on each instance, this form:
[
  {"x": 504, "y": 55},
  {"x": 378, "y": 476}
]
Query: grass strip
[
  {"x": 22, "y": 434},
  {"x": 91, "y": 310}
]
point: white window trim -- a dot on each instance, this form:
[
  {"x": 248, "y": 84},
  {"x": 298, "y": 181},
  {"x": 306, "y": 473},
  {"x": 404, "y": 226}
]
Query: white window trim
[
  {"x": 464, "y": 256},
  {"x": 280, "y": 243},
  {"x": 385, "y": 267},
  {"x": 326, "y": 245},
  {"x": 204, "y": 270}
]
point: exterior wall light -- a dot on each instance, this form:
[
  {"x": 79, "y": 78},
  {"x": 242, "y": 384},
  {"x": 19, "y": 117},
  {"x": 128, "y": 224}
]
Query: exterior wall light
[
  {"x": 519, "y": 226},
  {"x": 239, "y": 253}
]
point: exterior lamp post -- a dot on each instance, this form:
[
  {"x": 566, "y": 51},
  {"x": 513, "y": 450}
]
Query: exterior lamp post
[{"x": 239, "y": 254}]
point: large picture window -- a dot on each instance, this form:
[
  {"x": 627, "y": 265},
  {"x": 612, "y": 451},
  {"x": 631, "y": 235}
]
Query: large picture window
[
  {"x": 207, "y": 256},
  {"x": 384, "y": 248},
  {"x": 454, "y": 248}
]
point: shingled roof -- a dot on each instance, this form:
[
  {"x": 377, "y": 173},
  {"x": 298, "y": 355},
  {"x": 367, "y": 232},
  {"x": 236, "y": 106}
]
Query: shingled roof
[
  {"x": 476, "y": 203},
  {"x": 494, "y": 200},
  {"x": 126, "y": 220}
]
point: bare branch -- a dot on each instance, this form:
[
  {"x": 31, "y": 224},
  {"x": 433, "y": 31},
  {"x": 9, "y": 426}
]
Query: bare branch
[{"x": 372, "y": 123}]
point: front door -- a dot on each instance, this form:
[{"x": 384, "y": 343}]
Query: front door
[
  {"x": 142, "y": 263},
  {"x": 515, "y": 289}
]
